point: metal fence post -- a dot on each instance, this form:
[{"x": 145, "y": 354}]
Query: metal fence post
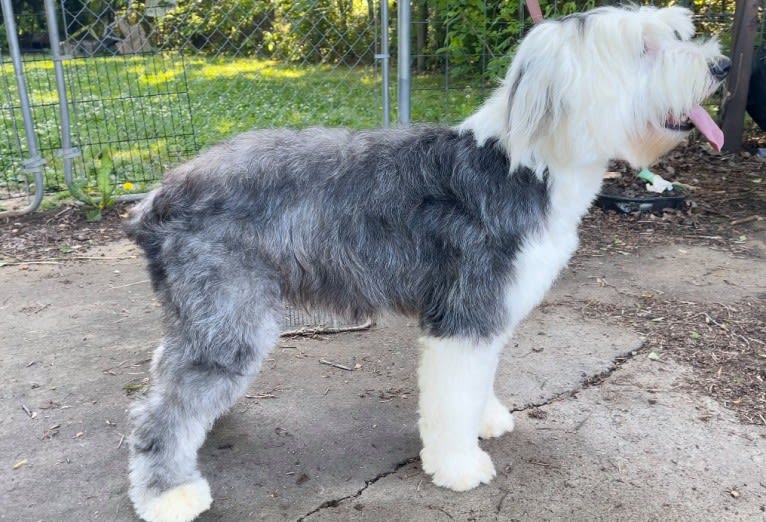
[
  {"x": 385, "y": 59},
  {"x": 403, "y": 62},
  {"x": 67, "y": 152},
  {"x": 33, "y": 165}
]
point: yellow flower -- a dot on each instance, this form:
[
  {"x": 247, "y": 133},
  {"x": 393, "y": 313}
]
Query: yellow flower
[{"x": 128, "y": 185}]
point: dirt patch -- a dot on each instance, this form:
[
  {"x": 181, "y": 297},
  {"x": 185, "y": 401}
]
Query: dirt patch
[
  {"x": 60, "y": 234},
  {"x": 724, "y": 344},
  {"x": 725, "y": 207}
]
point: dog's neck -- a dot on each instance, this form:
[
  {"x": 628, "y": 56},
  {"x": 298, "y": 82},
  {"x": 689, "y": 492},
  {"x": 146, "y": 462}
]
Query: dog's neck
[
  {"x": 490, "y": 121},
  {"x": 573, "y": 187}
]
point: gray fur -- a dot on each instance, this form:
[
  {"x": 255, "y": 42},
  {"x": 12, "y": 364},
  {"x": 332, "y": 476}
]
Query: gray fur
[{"x": 420, "y": 221}]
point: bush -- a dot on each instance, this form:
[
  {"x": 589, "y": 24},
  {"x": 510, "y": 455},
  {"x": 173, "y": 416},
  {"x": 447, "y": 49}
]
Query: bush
[
  {"x": 323, "y": 31},
  {"x": 217, "y": 26}
]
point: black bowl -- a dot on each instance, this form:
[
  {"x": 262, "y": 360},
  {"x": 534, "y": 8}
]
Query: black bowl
[{"x": 628, "y": 205}]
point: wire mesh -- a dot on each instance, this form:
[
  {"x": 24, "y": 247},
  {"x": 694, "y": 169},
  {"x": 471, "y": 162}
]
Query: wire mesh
[
  {"x": 14, "y": 183},
  {"x": 131, "y": 114},
  {"x": 44, "y": 106},
  {"x": 149, "y": 84},
  {"x": 249, "y": 63}
]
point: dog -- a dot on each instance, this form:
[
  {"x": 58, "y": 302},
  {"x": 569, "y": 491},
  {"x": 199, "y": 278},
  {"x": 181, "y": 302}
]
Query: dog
[{"x": 463, "y": 228}]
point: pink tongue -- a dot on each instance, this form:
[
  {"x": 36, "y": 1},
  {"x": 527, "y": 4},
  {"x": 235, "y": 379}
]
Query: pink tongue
[{"x": 707, "y": 126}]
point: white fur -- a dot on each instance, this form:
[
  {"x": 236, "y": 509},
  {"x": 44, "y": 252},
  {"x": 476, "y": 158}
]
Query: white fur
[
  {"x": 572, "y": 100},
  {"x": 180, "y": 504},
  {"x": 628, "y": 65},
  {"x": 453, "y": 379},
  {"x": 496, "y": 419},
  {"x": 574, "y": 97}
]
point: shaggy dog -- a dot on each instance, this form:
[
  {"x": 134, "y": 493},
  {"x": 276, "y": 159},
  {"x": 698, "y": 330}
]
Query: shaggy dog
[{"x": 463, "y": 228}]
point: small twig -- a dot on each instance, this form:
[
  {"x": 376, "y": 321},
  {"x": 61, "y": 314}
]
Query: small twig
[
  {"x": 317, "y": 330},
  {"x": 499, "y": 507},
  {"x": 59, "y": 214},
  {"x": 582, "y": 422},
  {"x": 695, "y": 236},
  {"x": 41, "y": 308},
  {"x": 742, "y": 221},
  {"x": 541, "y": 463},
  {"x": 122, "y": 439},
  {"x": 58, "y": 260},
  {"x": 130, "y": 284},
  {"x": 335, "y": 365},
  {"x": 437, "y": 508},
  {"x": 719, "y": 325},
  {"x": 744, "y": 339},
  {"x": 261, "y": 396},
  {"x": 27, "y": 410}
]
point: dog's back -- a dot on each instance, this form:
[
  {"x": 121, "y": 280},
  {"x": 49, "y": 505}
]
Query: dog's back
[{"x": 353, "y": 221}]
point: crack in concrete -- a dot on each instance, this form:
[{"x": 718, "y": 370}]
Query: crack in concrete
[
  {"x": 593, "y": 380},
  {"x": 367, "y": 483}
]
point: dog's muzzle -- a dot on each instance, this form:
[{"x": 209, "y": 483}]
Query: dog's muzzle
[{"x": 720, "y": 68}]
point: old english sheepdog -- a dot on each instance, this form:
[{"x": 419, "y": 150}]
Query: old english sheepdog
[{"x": 464, "y": 228}]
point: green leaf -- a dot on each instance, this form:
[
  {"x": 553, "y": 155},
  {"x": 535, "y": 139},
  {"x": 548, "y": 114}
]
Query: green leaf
[
  {"x": 104, "y": 180},
  {"x": 93, "y": 214}
]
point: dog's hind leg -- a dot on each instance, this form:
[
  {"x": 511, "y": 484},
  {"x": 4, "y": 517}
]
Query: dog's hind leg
[
  {"x": 221, "y": 325},
  {"x": 455, "y": 379}
]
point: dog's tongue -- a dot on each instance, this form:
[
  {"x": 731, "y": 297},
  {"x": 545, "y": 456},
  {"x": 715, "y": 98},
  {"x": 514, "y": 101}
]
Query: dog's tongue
[{"x": 707, "y": 126}]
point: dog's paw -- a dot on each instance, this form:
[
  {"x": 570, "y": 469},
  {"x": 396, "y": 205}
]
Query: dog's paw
[
  {"x": 458, "y": 471},
  {"x": 181, "y": 504},
  {"x": 496, "y": 421}
]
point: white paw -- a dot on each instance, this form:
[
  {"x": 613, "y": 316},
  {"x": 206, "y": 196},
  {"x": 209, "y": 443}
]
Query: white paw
[
  {"x": 180, "y": 504},
  {"x": 496, "y": 420},
  {"x": 458, "y": 471}
]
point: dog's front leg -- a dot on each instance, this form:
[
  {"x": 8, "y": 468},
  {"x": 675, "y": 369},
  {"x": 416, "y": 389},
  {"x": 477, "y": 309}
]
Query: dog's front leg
[{"x": 455, "y": 378}]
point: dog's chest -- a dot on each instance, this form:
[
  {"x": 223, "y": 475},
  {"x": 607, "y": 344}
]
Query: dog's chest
[
  {"x": 537, "y": 265},
  {"x": 545, "y": 252}
]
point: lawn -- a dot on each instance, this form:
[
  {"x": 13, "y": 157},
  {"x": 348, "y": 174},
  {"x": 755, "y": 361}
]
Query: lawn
[{"x": 138, "y": 115}]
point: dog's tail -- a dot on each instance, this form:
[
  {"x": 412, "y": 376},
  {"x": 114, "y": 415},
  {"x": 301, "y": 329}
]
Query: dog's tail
[
  {"x": 164, "y": 207},
  {"x": 142, "y": 219},
  {"x": 154, "y": 219},
  {"x": 144, "y": 227}
]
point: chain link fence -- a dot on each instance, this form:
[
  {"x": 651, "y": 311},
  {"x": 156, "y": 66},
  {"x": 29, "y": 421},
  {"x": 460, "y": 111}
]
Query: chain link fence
[
  {"x": 148, "y": 84},
  {"x": 145, "y": 85},
  {"x": 13, "y": 184}
]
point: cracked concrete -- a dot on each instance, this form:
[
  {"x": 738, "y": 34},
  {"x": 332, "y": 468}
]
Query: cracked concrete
[
  {"x": 313, "y": 442},
  {"x": 336, "y": 502}
]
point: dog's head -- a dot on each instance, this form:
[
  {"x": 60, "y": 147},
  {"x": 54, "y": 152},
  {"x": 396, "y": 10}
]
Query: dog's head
[{"x": 623, "y": 83}]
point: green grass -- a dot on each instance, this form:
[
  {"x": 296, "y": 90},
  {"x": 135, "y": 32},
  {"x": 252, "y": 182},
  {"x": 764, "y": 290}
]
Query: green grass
[{"x": 151, "y": 112}]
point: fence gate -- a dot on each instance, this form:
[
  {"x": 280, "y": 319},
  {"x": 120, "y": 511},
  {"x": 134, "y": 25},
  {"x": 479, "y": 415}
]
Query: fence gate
[{"x": 118, "y": 91}]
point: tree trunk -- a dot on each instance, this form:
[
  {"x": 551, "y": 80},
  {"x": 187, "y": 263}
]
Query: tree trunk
[{"x": 735, "y": 93}]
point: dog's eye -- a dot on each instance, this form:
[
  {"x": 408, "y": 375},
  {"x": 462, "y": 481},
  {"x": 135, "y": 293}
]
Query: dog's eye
[{"x": 678, "y": 35}]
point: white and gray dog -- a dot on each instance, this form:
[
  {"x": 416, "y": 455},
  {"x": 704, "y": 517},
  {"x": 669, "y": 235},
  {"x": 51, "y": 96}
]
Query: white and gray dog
[{"x": 464, "y": 228}]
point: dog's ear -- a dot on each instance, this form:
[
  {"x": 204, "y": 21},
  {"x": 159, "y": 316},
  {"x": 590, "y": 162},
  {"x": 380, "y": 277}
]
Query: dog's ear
[
  {"x": 536, "y": 87},
  {"x": 663, "y": 25},
  {"x": 529, "y": 103}
]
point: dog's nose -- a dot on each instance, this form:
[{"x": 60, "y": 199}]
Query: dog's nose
[{"x": 720, "y": 68}]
